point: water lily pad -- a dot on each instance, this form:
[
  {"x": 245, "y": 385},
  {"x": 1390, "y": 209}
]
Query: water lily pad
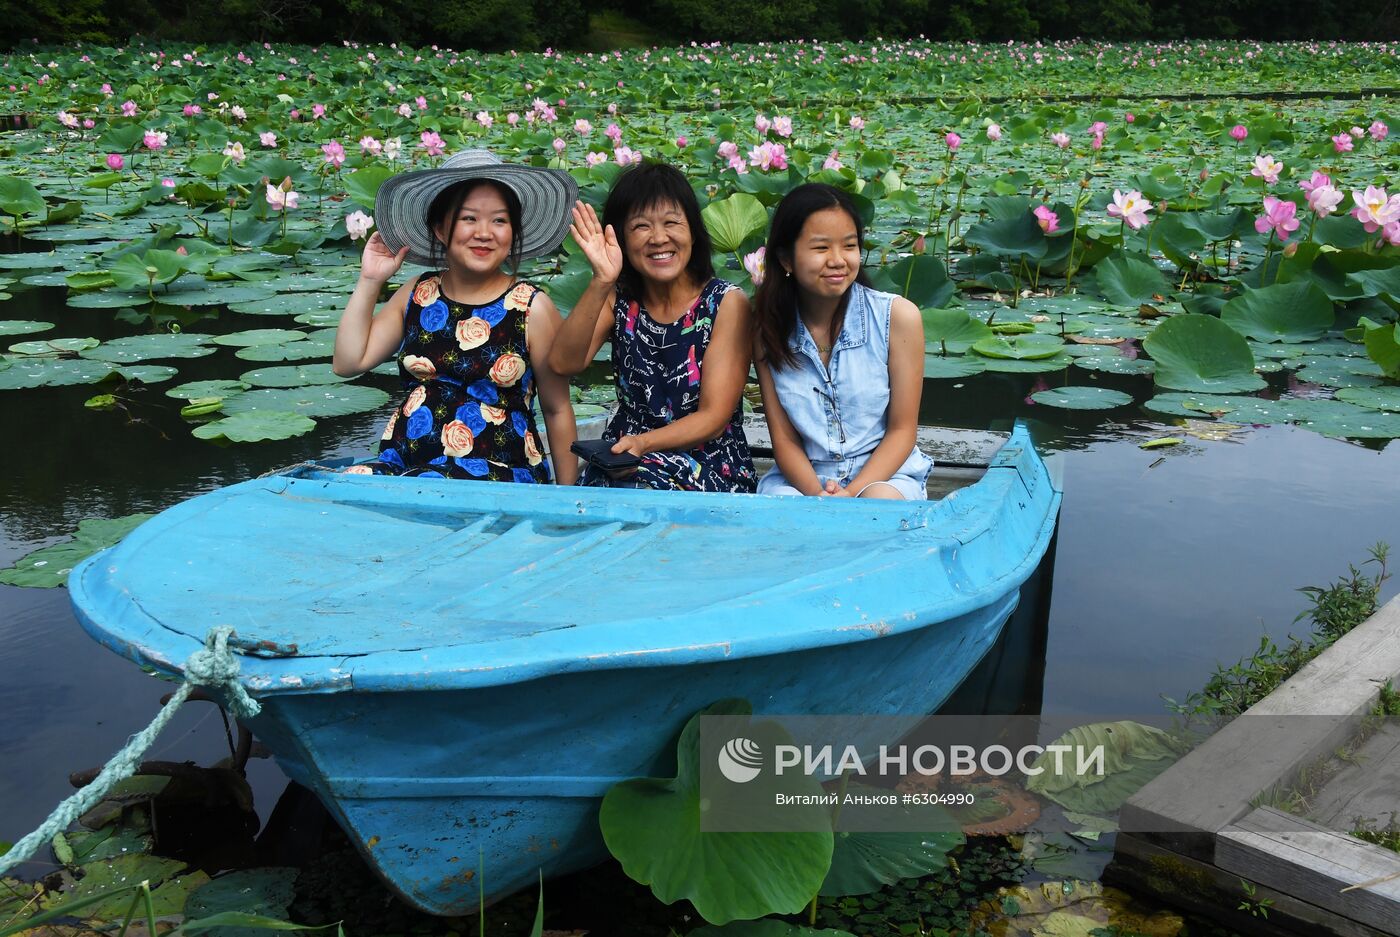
[
  {"x": 290, "y": 351},
  {"x": 54, "y": 346},
  {"x": 252, "y": 337},
  {"x": 1342, "y": 419},
  {"x": 197, "y": 389},
  {"x": 1239, "y": 409},
  {"x": 256, "y": 426},
  {"x": 318, "y": 400},
  {"x": 320, "y": 319},
  {"x": 1373, "y": 398},
  {"x": 266, "y": 891},
  {"x": 1082, "y": 398},
  {"x": 51, "y": 565},
  {"x": 52, "y": 278},
  {"x": 1019, "y": 347},
  {"x": 215, "y": 294},
  {"x": 1286, "y": 312},
  {"x": 294, "y": 304},
  {"x": 107, "y": 299},
  {"x": 335, "y": 281},
  {"x": 1133, "y": 754},
  {"x": 951, "y": 366},
  {"x": 1200, "y": 353},
  {"x": 733, "y": 220},
  {"x": 865, "y": 862},
  {"x": 301, "y": 375},
  {"x": 1339, "y": 372},
  {"x": 135, "y": 348},
  {"x": 31, "y": 261},
  {"x": 953, "y": 330},
  {"x": 23, "y": 327},
  {"x": 25, "y": 372},
  {"x": 1115, "y": 364},
  {"x": 1030, "y": 366},
  {"x": 1129, "y": 280},
  {"x": 147, "y": 373}
]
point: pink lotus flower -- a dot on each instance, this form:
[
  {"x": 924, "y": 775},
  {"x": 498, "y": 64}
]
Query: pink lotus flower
[
  {"x": 1131, "y": 209},
  {"x": 1391, "y": 234},
  {"x": 582, "y": 127},
  {"x": 1096, "y": 142},
  {"x": 1318, "y": 180},
  {"x": 279, "y": 200},
  {"x": 1324, "y": 199},
  {"x": 115, "y": 161},
  {"x": 318, "y": 111},
  {"x": 994, "y": 132},
  {"x": 953, "y": 141},
  {"x": 154, "y": 140},
  {"x": 782, "y": 126},
  {"x": 681, "y": 142},
  {"x": 430, "y": 141},
  {"x": 1374, "y": 209},
  {"x": 405, "y": 110},
  {"x": 736, "y": 163},
  {"x": 168, "y": 184},
  {"x": 392, "y": 147},
  {"x": 833, "y": 160},
  {"x": 768, "y": 156},
  {"x": 238, "y": 113},
  {"x": 483, "y": 118},
  {"x": 68, "y": 120},
  {"x": 1280, "y": 217},
  {"x": 370, "y": 146},
  {"x": 857, "y": 123},
  {"x": 1049, "y": 221},
  {"x": 1128, "y": 118},
  {"x": 192, "y": 110},
  {"x": 268, "y": 139},
  {"x": 422, "y": 102},
  {"x": 128, "y": 108},
  {"x": 357, "y": 224},
  {"x": 106, "y": 89},
  {"x": 1266, "y": 168},
  {"x": 596, "y": 159},
  {"x": 753, "y": 263},
  {"x": 761, "y": 123},
  {"x": 512, "y": 118},
  {"x": 625, "y": 155},
  {"x": 559, "y": 145},
  {"x": 1239, "y": 132},
  {"x": 234, "y": 150},
  {"x": 1342, "y": 143},
  {"x": 1357, "y": 133},
  {"x": 1060, "y": 139},
  {"x": 614, "y": 133},
  {"x": 1379, "y": 131},
  {"x": 335, "y": 153}
]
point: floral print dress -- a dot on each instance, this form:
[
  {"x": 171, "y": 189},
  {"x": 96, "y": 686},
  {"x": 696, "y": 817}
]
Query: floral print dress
[
  {"x": 656, "y": 370},
  {"x": 468, "y": 410}
]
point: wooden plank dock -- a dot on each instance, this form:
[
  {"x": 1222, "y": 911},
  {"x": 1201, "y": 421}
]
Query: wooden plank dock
[{"x": 1207, "y": 834}]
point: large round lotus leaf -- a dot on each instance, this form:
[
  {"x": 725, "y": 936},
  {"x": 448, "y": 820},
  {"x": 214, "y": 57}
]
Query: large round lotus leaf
[
  {"x": 215, "y": 294},
  {"x": 865, "y": 862},
  {"x": 1373, "y": 398},
  {"x": 293, "y": 303},
  {"x": 146, "y": 347},
  {"x": 1234, "y": 408},
  {"x": 256, "y": 426},
  {"x": 1029, "y": 366},
  {"x": 652, "y": 826},
  {"x": 1082, "y": 398},
  {"x": 1115, "y": 364},
  {"x": 1019, "y": 347},
  {"x": 341, "y": 281},
  {"x": 25, "y": 372},
  {"x": 23, "y": 327},
  {"x": 1201, "y": 353},
  {"x": 31, "y": 261},
  {"x": 939, "y": 366},
  {"x": 252, "y": 337},
  {"x": 1073, "y": 304},
  {"x": 1108, "y": 327},
  {"x": 107, "y": 299},
  {"x": 318, "y": 400},
  {"x": 1342, "y": 419},
  {"x": 319, "y": 319},
  {"x": 1129, "y": 280},
  {"x": 1286, "y": 312},
  {"x": 53, "y": 278},
  {"x": 1054, "y": 326},
  {"x": 1268, "y": 366},
  {"x": 1018, "y": 236},
  {"x": 920, "y": 278},
  {"x": 1338, "y": 347},
  {"x": 291, "y": 351},
  {"x": 953, "y": 329},
  {"x": 302, "y": 375},
  {"x": 1383, "y": 346},
  {"x": 147, "y": 373},
  {"x": 1339, "y": 372},
  {"x": 54, "y": 346},
  {"x": 50, "y": 566},
  {"x": 1092, "y": 351},
  {"x": 195, "y": 390},
  {"x": 733, "y": 220}
]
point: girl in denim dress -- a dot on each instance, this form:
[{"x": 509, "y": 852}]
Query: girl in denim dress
[{"x": 840, "y": 364}]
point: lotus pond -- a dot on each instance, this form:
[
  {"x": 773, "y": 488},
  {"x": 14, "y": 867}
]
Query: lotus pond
[{"x": 1193, "y": 295}]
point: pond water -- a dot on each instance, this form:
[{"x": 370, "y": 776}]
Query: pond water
[{"x": 1168, "y": 561}]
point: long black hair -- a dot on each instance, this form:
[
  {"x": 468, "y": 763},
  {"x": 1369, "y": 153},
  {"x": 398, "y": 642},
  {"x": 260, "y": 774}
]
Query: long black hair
[
  {"x": 645, "y": 185},
  {"x": 775, "y": 301},
  {"x": 448, "y": 203}
]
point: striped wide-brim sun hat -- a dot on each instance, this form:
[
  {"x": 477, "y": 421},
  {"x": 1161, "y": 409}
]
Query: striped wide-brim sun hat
[{"x": 546, "y": 202}]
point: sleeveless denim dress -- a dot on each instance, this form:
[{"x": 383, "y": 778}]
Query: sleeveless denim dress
[{"x": 841, "y": 410}]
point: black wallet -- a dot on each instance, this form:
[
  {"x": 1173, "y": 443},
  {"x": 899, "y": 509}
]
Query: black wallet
[{"x": 599, "y": 452}]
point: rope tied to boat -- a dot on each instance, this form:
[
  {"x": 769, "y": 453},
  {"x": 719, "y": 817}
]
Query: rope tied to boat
[{"x": 213, "y": 666}]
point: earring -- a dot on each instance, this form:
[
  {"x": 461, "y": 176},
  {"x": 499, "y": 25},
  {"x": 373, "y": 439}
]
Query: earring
[{"x": 787, "y": 272}]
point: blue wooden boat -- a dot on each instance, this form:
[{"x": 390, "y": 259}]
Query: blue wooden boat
[{"x": 458, "y": 669}]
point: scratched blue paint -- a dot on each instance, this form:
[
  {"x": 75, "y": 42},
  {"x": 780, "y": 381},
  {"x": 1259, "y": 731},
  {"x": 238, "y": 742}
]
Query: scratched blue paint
[{"x": 459, "y": 667}]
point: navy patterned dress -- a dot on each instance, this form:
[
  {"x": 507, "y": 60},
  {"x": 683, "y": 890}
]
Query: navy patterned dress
[
  {"x": 468, "y": 412},
  {"x": 656, "y": 370}
]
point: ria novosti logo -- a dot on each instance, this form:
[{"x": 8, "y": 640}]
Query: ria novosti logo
[{"x": 740, "y": 760}]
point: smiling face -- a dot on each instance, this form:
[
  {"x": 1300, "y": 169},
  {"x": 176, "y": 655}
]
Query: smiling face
[
  {"x": 479, "y": 237},
  {"x": 658, "y": 241},
  {"x": 826, "y": 256}
]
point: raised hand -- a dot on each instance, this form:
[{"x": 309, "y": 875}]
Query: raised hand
[
  {"x": 598, "y": 244},
  {"x": 378, "y": 263}
]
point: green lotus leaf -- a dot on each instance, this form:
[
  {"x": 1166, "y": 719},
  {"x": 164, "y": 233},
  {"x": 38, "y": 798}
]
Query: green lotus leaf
[
  {"x": 197, "y": 389},
  {"x": 256, "y": 426},
  {"x": 267, "y": 892},
  {"x": 767, "y": 927},
  {"x": 23, "y": 327},
  {"x": 1345, "y": 420},
  {"x": 1082, "y": 398},
  {"x": 363, "y": 184},
  {"x": 1339, "y": 372},
  {"x": 316, "y": 400},
  {"x": 1200, "y": 353},
  {"x": 50, "y": 566},
  {"x": 952, "y": 330},
  {"x": 19, "y": 197},
  {"x": 341, "y": 281},
  {"x": 1018, "y": 237},
  {"x": 299, "y": 304},
  {"x": 1373, "y": 398},
  {"x": 652, "y": 826},
  {"x": 26, "y": 372},
  {"x": 920, "y": 278},
  {"x": 154, "y": 268},
  {"x": 31, "y": 261},
  {"x": 864, "y": 862},
  {"x": 1287, "y": 312},
  {"x": 1234, "y": 408},
  {"x": 135, "y": 348},
  {"x": 1019, "y": 347},
  {"x": 1028, "y": 365},
  {"x": 566, "y": 290},
  {"x": 215, "y": 294},
  {"x": 54, "y": 346},
  {"x": 290, "y": 351},
  {"x": 303, "y": 375},
  {"x": 952, "y": 366},
  {"x": 732, "y": 221},
  {"x": 1383, "y": 346},
  {"x": 147, "y": 373},
  {"x": 1115, "y": 364},
  {"x": 252, "y": 337},
  {"x": 1129, "y": 280},
  {"x": 107, "y": 299},
  {"x": 1132, "y": 755}
]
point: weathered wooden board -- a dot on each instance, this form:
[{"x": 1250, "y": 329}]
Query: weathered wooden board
[
  {"x": 1296, "y": 857},
  {"x": 1367, "y": 787}
]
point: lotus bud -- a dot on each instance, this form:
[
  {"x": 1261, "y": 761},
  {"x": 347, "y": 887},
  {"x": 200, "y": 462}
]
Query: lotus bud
[
  {"x": 1290, "y": 249},
  {"x": 1205, "y": 174},
  {"x": 920, "y": 245}
]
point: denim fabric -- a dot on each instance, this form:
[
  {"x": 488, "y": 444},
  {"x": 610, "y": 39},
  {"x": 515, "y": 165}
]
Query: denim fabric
[{"x": 841, "y": 412}]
